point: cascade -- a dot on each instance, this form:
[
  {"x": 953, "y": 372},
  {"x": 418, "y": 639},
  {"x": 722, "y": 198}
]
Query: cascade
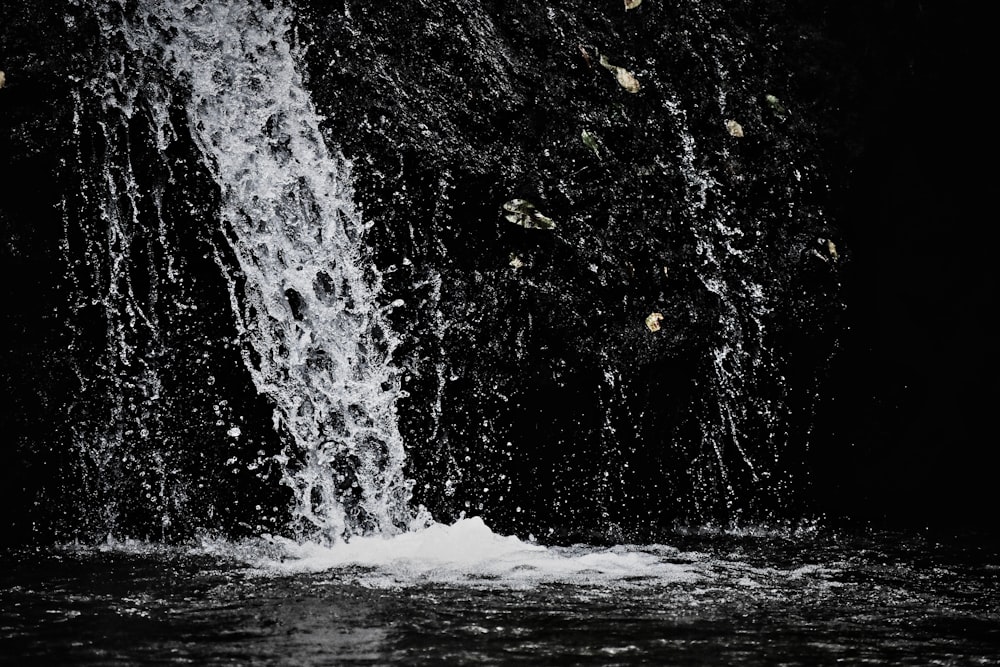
[
  {"x": 226, "y": 261},
  {"x": 304, "y": 300}
]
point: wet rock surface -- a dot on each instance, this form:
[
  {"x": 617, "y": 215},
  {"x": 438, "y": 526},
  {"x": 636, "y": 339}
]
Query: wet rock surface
[{"x": 555, "y": 399}]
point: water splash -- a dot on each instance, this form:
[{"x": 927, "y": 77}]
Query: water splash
[
  {"x": 468, "y": 553},
  {"x": 116, "y": 421},
  {"x": 305, "y": 301}
]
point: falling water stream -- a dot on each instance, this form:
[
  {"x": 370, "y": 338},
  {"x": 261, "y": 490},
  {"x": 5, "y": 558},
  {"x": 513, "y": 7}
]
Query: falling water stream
[{"x": 302, "y": 292}]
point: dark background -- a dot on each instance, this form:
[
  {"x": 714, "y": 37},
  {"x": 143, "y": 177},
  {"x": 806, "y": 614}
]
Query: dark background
[{"x": 908, "y": 426}]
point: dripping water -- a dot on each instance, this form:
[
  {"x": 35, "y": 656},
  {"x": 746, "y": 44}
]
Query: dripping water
[
  {"x": 736, "y": 354},
  {"x": 117, "y": 418}
]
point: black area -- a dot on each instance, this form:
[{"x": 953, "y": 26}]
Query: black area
[
  {"x": 36, "y": 377},
  {"x": 908, "y": 408}
]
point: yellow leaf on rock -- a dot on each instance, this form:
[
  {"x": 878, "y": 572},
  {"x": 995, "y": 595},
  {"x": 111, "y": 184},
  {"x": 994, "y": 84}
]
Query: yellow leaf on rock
[
  {"x": 627, "y": 81},
  {"x": 522, "y": 212},
  {"x": 625, "y": 78},
  {"x": 776, "y": 105},
  {"x": 653, "y": 321},
  {"x": 590, "y": 141},
  {"x": 734, "y": 128},
  {"x": 632, "y": 4}
]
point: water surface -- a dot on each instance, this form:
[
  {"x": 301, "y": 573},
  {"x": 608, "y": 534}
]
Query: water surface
[{"x": 756, "y": 598}]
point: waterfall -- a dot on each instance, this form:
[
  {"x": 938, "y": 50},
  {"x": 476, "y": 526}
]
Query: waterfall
[
  {"x": 305, "y": 301},
  {"x": 240, "y": 322}
]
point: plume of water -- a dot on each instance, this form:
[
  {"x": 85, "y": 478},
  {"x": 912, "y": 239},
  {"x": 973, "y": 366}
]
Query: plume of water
[{"x": 306, "y": 302}]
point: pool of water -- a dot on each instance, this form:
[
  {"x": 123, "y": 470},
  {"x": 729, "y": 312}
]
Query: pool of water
[{"x": 748, "y": 598}]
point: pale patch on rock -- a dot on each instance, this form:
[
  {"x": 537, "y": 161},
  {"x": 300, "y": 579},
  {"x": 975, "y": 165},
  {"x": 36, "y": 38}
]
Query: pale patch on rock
[
  {"x": 625, "y": 78},
  {"x": 522, "y": 212}
]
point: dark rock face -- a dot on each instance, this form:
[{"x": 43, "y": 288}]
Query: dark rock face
[
  {"x": 35, "y": 374},
  {"x": 556, "y": 407}
]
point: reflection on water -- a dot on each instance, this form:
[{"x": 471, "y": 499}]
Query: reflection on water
[{"x": 875, "y": 598}]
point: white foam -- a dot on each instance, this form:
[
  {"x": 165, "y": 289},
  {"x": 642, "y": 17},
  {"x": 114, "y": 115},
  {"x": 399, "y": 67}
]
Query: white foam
[
  {"x": 305, "y": 298},
  {"x": 469, "y": 553}
]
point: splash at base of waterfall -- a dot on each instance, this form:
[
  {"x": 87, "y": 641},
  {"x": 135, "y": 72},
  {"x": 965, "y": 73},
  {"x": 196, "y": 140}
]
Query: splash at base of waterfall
[
  {"x": 432, "y": 597},
  {"x": 469, "y": 553}
]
